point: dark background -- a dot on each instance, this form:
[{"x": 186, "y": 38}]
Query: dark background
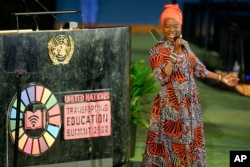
[{"x": 8, "y": 20}]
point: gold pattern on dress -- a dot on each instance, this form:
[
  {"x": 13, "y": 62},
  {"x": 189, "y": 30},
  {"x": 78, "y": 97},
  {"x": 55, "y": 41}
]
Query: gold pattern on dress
[{"x": 60, "y": 49}]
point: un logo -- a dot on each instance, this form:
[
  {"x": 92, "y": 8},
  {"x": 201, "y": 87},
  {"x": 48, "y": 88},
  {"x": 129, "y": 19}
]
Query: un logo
[{"x": 60, "y": 49}]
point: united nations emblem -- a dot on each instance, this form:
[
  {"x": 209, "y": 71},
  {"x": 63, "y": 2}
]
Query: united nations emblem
[{"x": 61, "y": 49}]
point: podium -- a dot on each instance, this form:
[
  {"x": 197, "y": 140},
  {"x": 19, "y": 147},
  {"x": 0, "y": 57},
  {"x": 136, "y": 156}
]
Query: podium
[{"x": 74, "y": 100}]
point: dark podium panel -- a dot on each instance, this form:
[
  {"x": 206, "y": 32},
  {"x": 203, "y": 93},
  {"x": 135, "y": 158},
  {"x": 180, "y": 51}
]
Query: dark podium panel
[{"x": 68, "y": 72}]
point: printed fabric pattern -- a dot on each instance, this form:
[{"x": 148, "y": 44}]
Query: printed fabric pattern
[{"x": 175, "y": 136}]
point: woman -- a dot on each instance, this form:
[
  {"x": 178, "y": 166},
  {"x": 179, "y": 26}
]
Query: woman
[{"x": 175, "y": 136}]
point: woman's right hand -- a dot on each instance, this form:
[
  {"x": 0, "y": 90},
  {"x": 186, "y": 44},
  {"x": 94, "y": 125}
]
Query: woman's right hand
[{"x": 179, "y": 42}]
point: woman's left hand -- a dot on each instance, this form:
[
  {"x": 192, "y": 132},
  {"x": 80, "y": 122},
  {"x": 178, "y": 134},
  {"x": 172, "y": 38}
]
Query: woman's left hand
[{"x": 230, "y": 79}]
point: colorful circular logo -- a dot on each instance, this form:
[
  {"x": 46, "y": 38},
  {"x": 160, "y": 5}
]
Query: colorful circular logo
[{"x": 40, "y": 119}]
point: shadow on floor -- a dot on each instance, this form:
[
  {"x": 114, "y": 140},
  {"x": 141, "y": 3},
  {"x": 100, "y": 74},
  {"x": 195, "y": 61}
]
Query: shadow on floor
[
  {"x": 132, "y": 164},
  {"x": 135, "y": 164}
]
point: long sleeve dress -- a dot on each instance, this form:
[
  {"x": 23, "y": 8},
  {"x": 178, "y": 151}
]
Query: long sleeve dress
[{"x": 175, "y": 136}]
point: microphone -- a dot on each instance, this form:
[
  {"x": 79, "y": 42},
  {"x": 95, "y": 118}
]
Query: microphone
[
  {"x": 182, "y": 46},
  {"x": 176, "y": 37},
  {"x": 155, "y": 34},
  {"x": 51, "y": 14}
]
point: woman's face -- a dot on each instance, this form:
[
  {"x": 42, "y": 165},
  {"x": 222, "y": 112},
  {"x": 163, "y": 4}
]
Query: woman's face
[{"x": 171, "y": 29}]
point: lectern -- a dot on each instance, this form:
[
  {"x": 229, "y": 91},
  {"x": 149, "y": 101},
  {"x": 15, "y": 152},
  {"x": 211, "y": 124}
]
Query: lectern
[{"x": 74, "y": 108}]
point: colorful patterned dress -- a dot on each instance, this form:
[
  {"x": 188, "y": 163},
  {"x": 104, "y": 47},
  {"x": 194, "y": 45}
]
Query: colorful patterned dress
[{"x": 175, "y": 136}]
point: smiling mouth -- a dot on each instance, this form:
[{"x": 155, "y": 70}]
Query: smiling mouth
[{"x": 172, "y": 36}]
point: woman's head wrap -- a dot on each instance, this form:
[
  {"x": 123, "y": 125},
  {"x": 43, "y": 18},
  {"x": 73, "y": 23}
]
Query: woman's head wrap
[{"x": 171, "y": 11}]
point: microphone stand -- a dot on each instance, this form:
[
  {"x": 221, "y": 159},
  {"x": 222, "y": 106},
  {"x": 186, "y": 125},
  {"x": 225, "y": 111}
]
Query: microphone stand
[
  {"x": 46, "y": 9},
  {"x": 44, "y": 13},
  {"x": 19, "y": 73}
]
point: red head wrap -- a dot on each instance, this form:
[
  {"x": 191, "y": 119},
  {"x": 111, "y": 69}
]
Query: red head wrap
[{"x": 171, "y": 11}]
